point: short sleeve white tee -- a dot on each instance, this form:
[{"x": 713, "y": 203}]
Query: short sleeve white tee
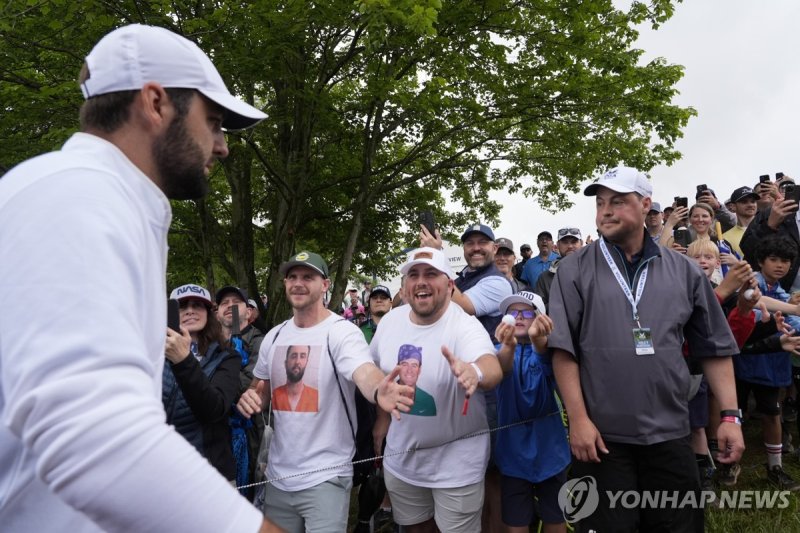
[
  {"x": 438, "y": 401},
  {"x": 312, "y": 432},
  {"x": 487, "y": 294}
]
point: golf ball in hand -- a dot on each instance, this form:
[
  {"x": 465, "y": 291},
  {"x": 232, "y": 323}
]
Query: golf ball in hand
[
  {"x": 748, "y": 294},
  {"x": 508, "y": 319}
]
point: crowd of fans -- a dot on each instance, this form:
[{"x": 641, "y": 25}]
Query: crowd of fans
[{"x": 746, "y": 246}]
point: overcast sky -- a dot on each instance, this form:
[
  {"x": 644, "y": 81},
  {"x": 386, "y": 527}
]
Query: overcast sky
[{"x": 741, "y": 75}]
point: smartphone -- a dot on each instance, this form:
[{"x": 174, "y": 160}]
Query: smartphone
[
  {"x": 682, "y": 236},
  {"x": 778, "y": 175},
  {"x": 174, "y": 315},
  {"x": 681, "y": 201},
  {"x": 427, "y": 220},
  {"x": 701, "y": 189},
  {"x": 763, "y": 178},
  {"x": 791, "y": 192}
]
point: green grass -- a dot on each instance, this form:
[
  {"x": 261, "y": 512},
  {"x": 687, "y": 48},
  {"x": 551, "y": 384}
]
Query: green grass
[{"x": 752, "y": 478}]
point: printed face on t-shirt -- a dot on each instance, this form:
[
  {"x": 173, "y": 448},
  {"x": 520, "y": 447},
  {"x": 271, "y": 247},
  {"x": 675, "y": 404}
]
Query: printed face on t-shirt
[
  {"x": 296, "y": 362},
  {"x": 409, "y": 359},
  {"x": 294, "y": 376}
]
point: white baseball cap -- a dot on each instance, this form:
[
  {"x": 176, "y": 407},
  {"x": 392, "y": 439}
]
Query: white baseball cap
[
  {"x": 523, "y": 297},
  {"x": 130, "y": 56},
  {"x": 191, "y": 291},
  {"x": 427, "y": 256},
  {"x": 624, "y": 180}
]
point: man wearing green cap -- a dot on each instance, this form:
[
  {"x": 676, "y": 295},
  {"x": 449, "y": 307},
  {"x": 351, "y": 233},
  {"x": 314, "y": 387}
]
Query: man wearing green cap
[{"x": 305, "y": 495}]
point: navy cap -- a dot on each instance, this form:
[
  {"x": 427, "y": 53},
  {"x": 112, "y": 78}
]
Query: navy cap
[
  {"x": 483, "y": 229},
  {"x": 380, "y": 289}
]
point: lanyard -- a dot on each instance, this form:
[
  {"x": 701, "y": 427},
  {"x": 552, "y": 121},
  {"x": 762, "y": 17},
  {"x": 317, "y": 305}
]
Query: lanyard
[{"x": 623, "y": 284}]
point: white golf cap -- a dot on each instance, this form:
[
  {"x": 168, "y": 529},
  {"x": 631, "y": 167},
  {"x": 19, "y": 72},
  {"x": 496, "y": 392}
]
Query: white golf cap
[
  {"x": 523, "y": 297},
  {"x": 129, "y": 57},
  {"x": 428, "y": 256},
  {"x": 624, "y": 180}
]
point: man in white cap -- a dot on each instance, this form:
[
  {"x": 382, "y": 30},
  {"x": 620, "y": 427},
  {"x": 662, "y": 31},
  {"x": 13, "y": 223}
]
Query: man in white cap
[
  {"x": 84, "y": 444},
  {"x": 441, "y": 483},
  {"x": 622, "y": 308}
]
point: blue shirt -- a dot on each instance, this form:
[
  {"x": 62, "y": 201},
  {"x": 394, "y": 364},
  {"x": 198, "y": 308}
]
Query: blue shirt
[
  {"x": 535, "y": 266},
  {"x": 538, "y": 449}
]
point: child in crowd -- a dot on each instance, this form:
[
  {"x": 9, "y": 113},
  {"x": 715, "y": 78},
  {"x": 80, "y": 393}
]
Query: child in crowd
[
  {"x": 532, "y": 456},
  {"x": 764, "y": 374},
  {"x": 741, "y": 319}
]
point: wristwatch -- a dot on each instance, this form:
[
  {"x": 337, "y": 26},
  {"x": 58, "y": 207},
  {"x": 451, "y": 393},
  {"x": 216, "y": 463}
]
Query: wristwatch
[{"x": 733, "y": 416}]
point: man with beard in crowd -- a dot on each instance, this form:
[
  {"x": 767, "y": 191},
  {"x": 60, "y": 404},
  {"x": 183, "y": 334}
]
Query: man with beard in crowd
[
  {"x": 296, "y": 395},
  {"x": 84, "y": 444}
]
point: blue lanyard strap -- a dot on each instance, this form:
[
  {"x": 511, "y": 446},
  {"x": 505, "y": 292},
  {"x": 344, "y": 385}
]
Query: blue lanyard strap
[{"x": 623, "y": 284}]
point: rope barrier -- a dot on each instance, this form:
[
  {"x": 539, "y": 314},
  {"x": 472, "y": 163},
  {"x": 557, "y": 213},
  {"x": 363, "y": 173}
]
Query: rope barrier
[{"x": 399, "y": 452}]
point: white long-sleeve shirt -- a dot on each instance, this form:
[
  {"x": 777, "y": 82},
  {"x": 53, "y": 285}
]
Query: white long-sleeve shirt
[{"x": 83, "y": 442}]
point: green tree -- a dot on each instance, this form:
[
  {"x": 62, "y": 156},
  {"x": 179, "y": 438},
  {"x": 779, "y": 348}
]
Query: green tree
[{"x": 377, "y": 109}]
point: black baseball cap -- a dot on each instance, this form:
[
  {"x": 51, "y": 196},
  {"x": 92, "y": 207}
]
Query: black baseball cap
[{"x": 241, "y": 293}]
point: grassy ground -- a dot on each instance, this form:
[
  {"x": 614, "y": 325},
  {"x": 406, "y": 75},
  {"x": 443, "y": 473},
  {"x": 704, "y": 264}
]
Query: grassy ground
[{"x": 752, "y": 478}]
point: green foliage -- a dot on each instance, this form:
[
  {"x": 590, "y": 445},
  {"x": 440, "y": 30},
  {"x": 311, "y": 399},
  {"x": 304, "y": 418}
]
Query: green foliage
[{"x": 377, "y": 109}]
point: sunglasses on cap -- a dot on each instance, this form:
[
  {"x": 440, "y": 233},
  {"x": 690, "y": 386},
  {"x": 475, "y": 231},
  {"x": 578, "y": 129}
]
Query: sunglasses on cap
[
  {"x": 563, "y": 232},
  {"x": 526, "y": 313}
]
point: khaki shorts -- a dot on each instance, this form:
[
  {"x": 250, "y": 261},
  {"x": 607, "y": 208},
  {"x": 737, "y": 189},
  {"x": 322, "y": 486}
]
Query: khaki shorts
[{"x": 455, "y": 510}]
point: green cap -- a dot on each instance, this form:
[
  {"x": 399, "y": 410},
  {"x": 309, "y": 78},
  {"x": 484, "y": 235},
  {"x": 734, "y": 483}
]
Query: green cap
[{"x": 306, "y": 259}]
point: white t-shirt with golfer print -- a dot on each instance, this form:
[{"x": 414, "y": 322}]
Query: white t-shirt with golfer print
[
  {"x": 319, "y": 437},
  {"x": 436, "y": 464}
]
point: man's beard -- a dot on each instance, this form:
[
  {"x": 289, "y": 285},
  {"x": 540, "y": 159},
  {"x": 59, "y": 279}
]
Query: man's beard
[
  {"x": 180, "y": 163},
  {"x": 295, "y": 376}
]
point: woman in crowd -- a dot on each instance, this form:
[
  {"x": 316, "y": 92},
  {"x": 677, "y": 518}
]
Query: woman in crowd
[
  {"x": 701, "y": 226},
  {"x": 201, "y": 379}
]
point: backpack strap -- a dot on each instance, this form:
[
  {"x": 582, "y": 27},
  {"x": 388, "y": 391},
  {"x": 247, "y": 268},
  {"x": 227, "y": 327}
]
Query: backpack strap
[
  {"x": 338, "y": 382},
  {"x": 268, "y": 420}
]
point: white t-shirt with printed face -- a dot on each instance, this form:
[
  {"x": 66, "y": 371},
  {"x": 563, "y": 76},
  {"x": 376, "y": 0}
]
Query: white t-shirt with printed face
[
  {"x": 438, "y": 399},
  {"x": 311, "y": 432}
]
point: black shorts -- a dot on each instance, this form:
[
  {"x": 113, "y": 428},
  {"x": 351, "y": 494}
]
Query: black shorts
[
  {"x": 765, "y": 395},
  {"x": 698, "y": 407},
  {"x": 517, "y": 509}
]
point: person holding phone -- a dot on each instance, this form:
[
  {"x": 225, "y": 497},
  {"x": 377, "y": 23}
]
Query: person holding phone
[
  {"x": 721, "y": 213},
  {"x": 780, "y": 218},
  {"x": 200, "y": 381}
]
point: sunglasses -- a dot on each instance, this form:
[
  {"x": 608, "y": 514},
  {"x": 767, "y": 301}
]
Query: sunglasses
[
  {"x": 563, "y": 232},
  {"x": 526, "y": 313}
]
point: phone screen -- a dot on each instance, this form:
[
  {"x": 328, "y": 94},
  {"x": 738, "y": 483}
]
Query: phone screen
[
  {"x": 174, "y": 315},
  {"x": 427, "y": 220}
]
